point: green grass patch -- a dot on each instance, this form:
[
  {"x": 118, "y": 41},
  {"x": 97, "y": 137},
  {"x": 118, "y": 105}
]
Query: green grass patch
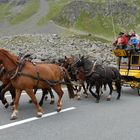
[
  {"x": 99, "y": 26},
  {"x": 4, "y": 10},
  {"x": 55, "y": 8},
  {"x": 92, "y": 38},
  {"x": 30, "y": 9}
]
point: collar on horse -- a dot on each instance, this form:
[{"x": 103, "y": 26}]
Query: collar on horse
[
  {"x": 14, "y": 73},
  {"x": 92, "y": 69}
]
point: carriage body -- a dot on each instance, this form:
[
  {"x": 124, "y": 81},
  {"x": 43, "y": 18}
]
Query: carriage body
[{"x": 128, "y": 62}]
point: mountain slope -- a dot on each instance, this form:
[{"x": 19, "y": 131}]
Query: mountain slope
[{"x": 101, "y": 17}]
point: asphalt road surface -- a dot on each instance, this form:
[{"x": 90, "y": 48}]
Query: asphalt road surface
[{"x": 79, "y": 120}]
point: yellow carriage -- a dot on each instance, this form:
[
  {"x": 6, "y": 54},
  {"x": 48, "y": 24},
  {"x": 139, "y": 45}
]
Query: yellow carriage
[{"x": 129, "y": 66}]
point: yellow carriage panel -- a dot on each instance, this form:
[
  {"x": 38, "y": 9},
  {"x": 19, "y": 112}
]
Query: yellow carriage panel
[
  {"x": 124, "y": 72},
  {"x": 134, "y": 73},
  {"x": 120, "y": 52}
]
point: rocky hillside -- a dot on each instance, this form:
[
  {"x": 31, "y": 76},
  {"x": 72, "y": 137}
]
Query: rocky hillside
[
  {"x": 104, "y": 17},
  {"x": 53, "y": 47}
]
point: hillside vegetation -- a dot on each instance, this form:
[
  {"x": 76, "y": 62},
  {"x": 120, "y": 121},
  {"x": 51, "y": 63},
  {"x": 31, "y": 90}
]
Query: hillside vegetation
[
  {"x": 101, "y": 17},
  {"x": 17, "y": 11}
]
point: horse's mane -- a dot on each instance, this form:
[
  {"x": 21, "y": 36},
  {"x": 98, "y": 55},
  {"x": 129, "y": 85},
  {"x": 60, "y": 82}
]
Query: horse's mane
[{"x": 11, "y": 56}]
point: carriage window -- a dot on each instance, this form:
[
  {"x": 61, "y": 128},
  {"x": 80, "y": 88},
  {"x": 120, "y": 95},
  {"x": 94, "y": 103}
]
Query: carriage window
[
  {"x": 124, "y": 60},
  {"x": 135, "y": 60}
]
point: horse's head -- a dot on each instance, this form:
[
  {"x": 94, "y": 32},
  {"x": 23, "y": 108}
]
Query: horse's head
[
  {"x": 8, "y": 60},
  {"x": 68, "y": 61}
]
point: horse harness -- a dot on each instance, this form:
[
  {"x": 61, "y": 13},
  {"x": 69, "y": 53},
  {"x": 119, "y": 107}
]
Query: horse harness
[
  {"x": 95, "y": 71},
  {"x": 14, "y": 73}
]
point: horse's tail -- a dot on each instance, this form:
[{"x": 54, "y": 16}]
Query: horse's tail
[
  {"x": 117, "y": 80},
  {"x": 68, "y": 83}
]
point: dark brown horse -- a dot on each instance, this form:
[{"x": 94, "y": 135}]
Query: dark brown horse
[
  {"x": 79, "y": 79},
  {"x": 97, "y": 75},
  {"x": 30, "y": 76}
]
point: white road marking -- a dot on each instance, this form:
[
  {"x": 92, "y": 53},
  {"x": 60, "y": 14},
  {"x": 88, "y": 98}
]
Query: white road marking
[{"x": 33, "y": 118}]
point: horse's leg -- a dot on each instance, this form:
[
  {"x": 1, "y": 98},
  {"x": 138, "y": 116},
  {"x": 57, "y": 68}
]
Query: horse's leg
[
  {"x": 34, "y": 100},
  {"x": 78, "y": 92},
  {"x": 16, "y": 103},
  {"x": 35, "y": 90},
  {"x": 52, "y": 96},
  {"x": 77, "y": 89},
  {"x": 2, "y": 86},
  {"x": 59, "y": 91},
  {"x": 98, "y": 92},
  {"x": 13, "y": 94},
  {"x": 93, "y": 94},
  {"x": 43, "y": 96},
  {"x": 85, "y": 90},
  {"x": 3, "y": 91},
  {"x": 118, "y": 85},
  {"x": 110, "y": 93}
]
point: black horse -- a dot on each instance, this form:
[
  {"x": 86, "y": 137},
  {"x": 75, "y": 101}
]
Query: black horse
[{"x": 98, "y": 75}]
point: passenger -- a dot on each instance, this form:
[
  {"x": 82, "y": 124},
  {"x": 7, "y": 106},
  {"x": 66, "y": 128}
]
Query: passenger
[
  {"x": 133, "y": 41},
  {"x": 122, "y": 41},
  {"x": 137, "y": 36}
]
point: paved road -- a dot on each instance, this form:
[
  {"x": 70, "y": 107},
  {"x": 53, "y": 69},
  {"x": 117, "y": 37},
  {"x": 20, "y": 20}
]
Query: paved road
[{"x": 114, "y": 120}]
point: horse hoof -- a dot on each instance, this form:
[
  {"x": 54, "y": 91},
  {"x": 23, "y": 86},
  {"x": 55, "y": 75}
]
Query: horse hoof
[
  {"x": 12, "y": 103},
  {"x": 12, "y": 107},
  {"x": 39, "y": 114},
  {"x": 6, "y": 105},
  {"x": 86, "y": 96},
  {"x": 14, "y": 117},
  {"x": 97, "y": 101},
  {"x": 108, "y": 99},
  {"x": 40, "y": 104},
  {"x": 58, "y": 109},
  {"x": 52, "y": 102},
  {"x": 118, "y": 98},
  {"x": 46, "y": 98},
  {"x": 78, "y": 98},
  {"x": 30, "y": 101}
]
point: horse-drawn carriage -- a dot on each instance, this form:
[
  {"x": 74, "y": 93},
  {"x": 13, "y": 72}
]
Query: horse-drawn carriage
[{"x": 129, "y": 67}]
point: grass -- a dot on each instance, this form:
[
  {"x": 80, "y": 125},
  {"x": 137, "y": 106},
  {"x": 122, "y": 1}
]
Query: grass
[
  {"x": 99, "y": 26},
  {"x": 26, "y": 13},
  {"x": 55, "y": 8},
  {"x": 4, "y": 10}
]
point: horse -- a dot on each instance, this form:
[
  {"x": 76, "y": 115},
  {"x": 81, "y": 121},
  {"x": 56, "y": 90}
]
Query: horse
[
  {"x": 7, "y": 86},
  {"x": 98, "y": 75},
  {"x": 31, "y": 75},
  {"x": 80, "y": 75},
  {"x": 67, "y": 63}
]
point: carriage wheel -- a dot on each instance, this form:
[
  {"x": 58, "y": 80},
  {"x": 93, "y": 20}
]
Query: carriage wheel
[{"x": 138, "y": 91}]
